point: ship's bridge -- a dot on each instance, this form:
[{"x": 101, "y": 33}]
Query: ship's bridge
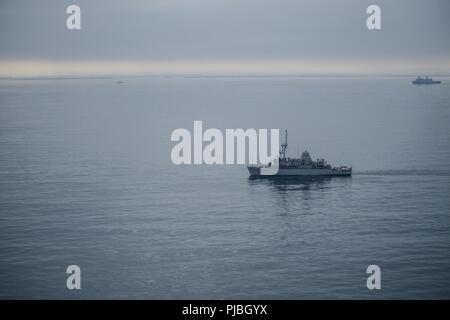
[{"x": 306, "y": 158}]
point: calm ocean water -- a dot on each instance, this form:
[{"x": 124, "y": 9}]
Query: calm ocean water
[{"x": 86, "y": 179}]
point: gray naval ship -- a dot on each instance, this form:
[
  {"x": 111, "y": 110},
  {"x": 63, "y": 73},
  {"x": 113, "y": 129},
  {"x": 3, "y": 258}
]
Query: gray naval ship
[
  {"x": 425, "y": 80},
  {"x": 303, "y": 166}
]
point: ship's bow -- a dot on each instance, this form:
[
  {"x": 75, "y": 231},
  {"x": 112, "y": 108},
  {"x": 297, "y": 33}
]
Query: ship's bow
[{"x": 254, "y": 171}]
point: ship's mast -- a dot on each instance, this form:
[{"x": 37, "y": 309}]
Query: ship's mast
[{"x": 284, "y": 145}]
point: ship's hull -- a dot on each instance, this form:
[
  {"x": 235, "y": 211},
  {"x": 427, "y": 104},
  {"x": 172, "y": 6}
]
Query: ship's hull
[
  {"x": 307, "y": 172},
  {"x": 426, "y": 82}
]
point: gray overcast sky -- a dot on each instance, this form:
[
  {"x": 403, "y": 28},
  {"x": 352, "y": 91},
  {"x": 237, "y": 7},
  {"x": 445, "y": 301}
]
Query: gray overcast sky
[{"x": 224, "y": 30}]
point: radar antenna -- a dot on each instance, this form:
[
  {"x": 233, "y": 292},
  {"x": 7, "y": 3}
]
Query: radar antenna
[{"x": 284, "y": 146}]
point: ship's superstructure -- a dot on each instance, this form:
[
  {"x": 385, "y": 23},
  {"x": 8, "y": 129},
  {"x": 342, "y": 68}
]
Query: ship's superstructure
[{"x": 303, "y": 166}]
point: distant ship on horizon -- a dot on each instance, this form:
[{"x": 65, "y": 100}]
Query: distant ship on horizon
[
  {"x": 303, "y": 166},
  {"x": 426, "y": 80}
]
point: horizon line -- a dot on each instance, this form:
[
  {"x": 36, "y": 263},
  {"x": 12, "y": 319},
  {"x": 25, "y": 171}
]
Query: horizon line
[
  {"x": 200, "y": 76},
  {"x": 15, "y": 68}
]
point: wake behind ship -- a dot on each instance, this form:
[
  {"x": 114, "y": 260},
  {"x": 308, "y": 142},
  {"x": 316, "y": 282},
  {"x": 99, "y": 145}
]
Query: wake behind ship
[{"x": 303, "y": 166}]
